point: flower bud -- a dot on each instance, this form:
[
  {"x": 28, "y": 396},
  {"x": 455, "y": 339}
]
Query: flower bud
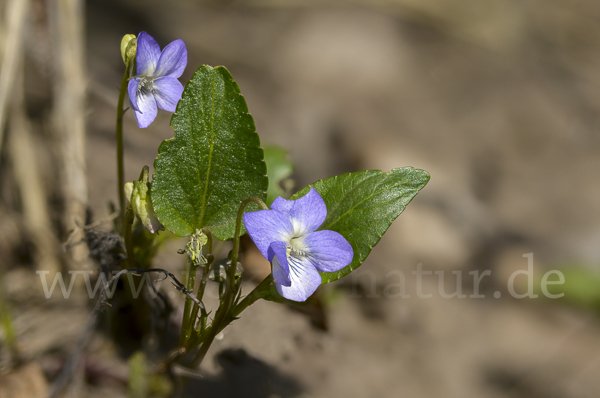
[
  {"x": 129, "y": 190},
  {"x": 128, "y": 48},
  {"x": 138, "y": 193}
]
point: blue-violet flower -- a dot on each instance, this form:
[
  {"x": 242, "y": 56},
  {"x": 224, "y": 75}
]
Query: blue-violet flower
[
  {"x": 156, "y": 83},
  {"x": 287, "y": 236}
]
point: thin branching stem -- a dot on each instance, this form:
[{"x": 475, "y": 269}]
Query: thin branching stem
[
  {"x": 260, "y": 291},
  {"x": 202, "y": 286},
  {"x": 119, "y": 138},
  {"x": 232, "y": 288},
  {"x": 191, "y": 281}
]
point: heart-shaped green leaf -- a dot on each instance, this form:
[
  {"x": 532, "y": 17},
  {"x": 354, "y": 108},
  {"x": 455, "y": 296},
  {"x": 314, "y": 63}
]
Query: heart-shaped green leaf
[
  {"x": 361, "y": 206},
  {"x": 214, "y": 161}
]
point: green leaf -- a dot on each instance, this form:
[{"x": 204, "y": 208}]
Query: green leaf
[
  {"x": 278, "y": 169},
  {"x": 214, "y": 161},
  {"x": 581, "y": 286},
  {"x": 137, "y": 385},
  {"x": 361, "y": 206},
  {"x": 6, "y": 323}
]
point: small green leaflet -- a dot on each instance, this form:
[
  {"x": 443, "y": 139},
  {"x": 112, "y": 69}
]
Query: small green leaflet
[
  {"x": 214, "y": 161},
  {"x": 278, "y": 169},
  {"x": 361, "y": 206}
]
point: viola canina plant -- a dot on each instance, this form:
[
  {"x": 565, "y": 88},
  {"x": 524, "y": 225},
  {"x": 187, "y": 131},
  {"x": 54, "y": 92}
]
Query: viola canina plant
[{"x": 210, "y": 182}]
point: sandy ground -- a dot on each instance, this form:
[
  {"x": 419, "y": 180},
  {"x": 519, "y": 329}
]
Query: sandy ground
[{"x": 499, "y": 101}]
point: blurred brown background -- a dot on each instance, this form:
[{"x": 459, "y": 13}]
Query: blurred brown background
[{"x": 498, "y": 99}]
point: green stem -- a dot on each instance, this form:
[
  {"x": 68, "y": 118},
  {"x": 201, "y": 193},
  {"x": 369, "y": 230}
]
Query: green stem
[
  {"x": 203, "y": 281},
  {"x": 256, "y": 294},
  {"x": 235, "y": 252},
  {"x": 119, "y": 138},
  {"x": 10, "y": 337},
  {"x": 223, "y": 310},
  {"x": 191, "y": 282}
]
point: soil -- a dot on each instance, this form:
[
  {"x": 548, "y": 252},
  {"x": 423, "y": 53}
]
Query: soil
[{"x": 498, "y": 101}]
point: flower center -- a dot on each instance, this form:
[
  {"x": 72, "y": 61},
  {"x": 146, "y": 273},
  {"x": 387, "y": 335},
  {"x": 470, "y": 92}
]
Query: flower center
[
  {"x": 296, "y": 247},
  {"x": 146, "y": 85}
]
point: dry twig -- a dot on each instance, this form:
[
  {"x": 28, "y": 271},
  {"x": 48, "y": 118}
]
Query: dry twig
[
  {"x": 70, "y": 86},
  {"x": 27, "y": 176},
  {"x": 73, "y": 360},
  {"x": 13, "y": 50}
]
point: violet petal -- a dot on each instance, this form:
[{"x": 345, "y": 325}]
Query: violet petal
[
  {"x": 306, "y": 213},
  {"x": 267, "y": 226},
  {"x": 304, "y": 279},
  {"x": 147, "y": 55},
  {"x": 132, "y": 87},
  {"x": 281, "y": 270},
  {"x": 173, "y": 60},
  {"x": 167, "y": 93},
  {"x": 148, "y": 111},
  {"x": 329, "y": 251}
]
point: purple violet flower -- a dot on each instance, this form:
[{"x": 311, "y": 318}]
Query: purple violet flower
[
  {"x": 156, "y": 83},
  {"x": 287, "y": 236}
]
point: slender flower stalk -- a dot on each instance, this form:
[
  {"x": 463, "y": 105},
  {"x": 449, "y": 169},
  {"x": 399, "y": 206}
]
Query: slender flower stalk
[
  {"x": 128, "y": 53},
  {"x": 260, "y": 291},
  {"x": 256, "y": 294},
  {"x": 191, "y": 281},
  {"x": 223, "y": 312},
  {"x": 155, "y": 85},
  {"x": 195, "y": 258},
  {"x": 119, "y": 138},
  {"x": 202, "y": 286}
]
